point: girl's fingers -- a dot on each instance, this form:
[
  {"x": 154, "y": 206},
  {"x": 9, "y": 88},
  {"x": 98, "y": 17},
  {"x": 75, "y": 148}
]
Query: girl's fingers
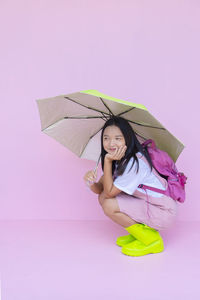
[
  {"x": 118, "y": 154},
  {"x": 94, "y": 176},
  {"x": 121, "y": 152},
  {"x": 91, "y": 176}
]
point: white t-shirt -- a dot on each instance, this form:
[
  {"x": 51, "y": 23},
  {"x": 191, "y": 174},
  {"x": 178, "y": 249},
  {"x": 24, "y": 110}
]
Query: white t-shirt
[{"x": 129, "y": 181}]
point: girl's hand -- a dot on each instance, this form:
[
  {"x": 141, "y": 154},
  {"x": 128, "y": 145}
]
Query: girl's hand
[
  {"x": 90, "y": 177},
  {"x": 117, "y": 155}
]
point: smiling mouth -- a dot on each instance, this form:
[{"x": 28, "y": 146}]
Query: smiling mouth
[{"x": 113, "y": 149}]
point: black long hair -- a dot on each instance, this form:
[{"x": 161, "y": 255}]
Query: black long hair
[{"x": 132, "y": 143}]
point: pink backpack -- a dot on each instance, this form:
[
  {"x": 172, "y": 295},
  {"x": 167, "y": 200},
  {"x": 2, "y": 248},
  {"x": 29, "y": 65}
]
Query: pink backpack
[{"x": 164, "y": 165}]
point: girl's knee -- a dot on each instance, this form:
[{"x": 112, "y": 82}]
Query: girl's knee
[
  {"x": 108, "y": 207},
  {"x": 100, "y": 201},
  {"x": 101, "y": 198}
]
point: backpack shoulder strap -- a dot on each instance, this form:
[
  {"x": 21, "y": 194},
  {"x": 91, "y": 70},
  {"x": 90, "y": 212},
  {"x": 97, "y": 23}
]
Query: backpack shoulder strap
[{"x": 160, "y": 178}]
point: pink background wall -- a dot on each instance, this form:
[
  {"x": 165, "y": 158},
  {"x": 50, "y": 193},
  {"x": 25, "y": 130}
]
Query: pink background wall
[{"x": 141, "y": 51}]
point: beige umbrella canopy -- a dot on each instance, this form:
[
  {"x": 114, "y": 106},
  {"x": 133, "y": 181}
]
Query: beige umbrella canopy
[{"x": 75, "y": 120}]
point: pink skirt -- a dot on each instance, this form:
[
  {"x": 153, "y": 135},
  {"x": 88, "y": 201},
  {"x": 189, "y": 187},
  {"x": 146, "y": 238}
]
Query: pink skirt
[{"x": 156, "y": 212}]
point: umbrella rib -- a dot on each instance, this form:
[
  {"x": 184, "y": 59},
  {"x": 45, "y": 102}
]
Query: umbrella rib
[
  {"x": 105, "y": 118},
  {"x": 87, "y": 117},
  {"x": 85, "y": 105},
  {"x": 91, "y": 138},
  {"x": 95, "y": 133},
  {"x": 125, "y": 111},
  {"x": 106, "y": 106},
  {"x": 141, "y": 136},
  {"x": 145, "y": 125},
  {"x": 95, "y": 117}
]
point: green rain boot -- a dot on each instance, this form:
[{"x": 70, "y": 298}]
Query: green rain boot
[
  {"x": 148, "y": 240},
  {"x": 123, "y": 240}
]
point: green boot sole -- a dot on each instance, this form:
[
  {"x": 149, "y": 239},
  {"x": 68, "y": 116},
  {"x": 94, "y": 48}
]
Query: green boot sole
[{"x": 123, "y": 240}]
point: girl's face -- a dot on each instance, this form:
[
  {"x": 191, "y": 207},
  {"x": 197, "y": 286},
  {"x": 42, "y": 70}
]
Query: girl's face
[{"x": 113, "y": 138}]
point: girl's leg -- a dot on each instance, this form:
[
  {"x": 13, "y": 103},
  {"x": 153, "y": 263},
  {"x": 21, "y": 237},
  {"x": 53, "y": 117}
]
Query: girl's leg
[
  {"x": 112, "y": 210},
  {"x": 121, "y": 219}
]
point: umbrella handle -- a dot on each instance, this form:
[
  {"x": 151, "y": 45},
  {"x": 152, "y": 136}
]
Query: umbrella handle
[{"x": 97, "y": 164}]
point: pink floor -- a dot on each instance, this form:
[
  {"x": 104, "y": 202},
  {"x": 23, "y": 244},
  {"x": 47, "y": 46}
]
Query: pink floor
[{"x": 61, "y": 260}]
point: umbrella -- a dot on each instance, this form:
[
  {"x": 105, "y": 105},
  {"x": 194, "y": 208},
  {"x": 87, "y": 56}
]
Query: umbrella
[{"x": 75, "y": 120}]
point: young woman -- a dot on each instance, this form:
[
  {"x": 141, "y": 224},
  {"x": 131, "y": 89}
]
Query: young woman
[{"x": 126, "y": 165}]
